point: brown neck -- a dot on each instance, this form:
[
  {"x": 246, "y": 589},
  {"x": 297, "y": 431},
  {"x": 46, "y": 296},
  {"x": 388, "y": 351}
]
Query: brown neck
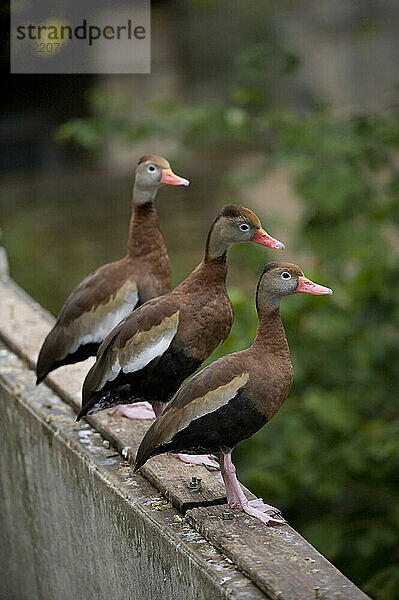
[
  {"x": 270, "y": 335},
  {"x": 144, "y": 234},
  {"x": 209, "y": 273},
  {"x": 214, "y": 269}
]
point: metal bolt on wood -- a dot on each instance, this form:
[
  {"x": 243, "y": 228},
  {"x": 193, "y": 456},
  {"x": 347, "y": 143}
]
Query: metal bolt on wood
[{"x": 195, "y": 484}]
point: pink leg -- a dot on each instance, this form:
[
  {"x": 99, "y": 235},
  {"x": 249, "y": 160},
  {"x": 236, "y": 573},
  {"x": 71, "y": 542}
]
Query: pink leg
[
  {"x": 138, "y": 410},
  {"x": 236, "y": 497},
  {"x": 208, "y": 460}
]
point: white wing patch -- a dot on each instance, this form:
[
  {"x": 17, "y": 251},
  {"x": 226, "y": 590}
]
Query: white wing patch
[
  {"x": 94, "y": 326},
  {"x": 209, "y": 403},
  {"x": 142, "y": 348}
]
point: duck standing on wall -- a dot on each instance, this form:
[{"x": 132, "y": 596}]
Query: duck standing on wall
[
  {"x": 109, "y": 294},
  {"x": 149, "y": 354},
  {"x": 232, "y": 398}
]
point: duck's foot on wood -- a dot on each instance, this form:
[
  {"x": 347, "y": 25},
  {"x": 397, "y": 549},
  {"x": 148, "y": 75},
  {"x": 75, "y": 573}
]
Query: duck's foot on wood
[
  {"x": 260, "y": 506},
  {"x": 236, "y": 498},
  {"x": 260, "y": 513},
  {"x": 207, "y": 460},
  {"x": 139, "y": 410}
]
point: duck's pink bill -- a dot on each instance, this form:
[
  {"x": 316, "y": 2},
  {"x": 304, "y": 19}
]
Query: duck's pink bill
[
  {"x": 306, "y": 286},
  {"x": 264, "y": 239},
  {"x": 172, "y": 179}
]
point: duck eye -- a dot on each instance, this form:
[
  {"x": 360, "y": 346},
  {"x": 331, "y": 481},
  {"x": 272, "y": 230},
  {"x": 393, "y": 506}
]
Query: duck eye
[
  {"x": 151, "y": 168},
  {"x": 285, "y": 275},
  {"x": 244, "y": 227}
]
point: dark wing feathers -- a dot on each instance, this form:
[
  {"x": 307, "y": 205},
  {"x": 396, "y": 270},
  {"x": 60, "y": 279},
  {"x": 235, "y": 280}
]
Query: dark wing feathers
[
  {"x": 98, "y": 291},
  {"x": 97, "y": 288},
  {"x": 144, "y": 319},
  {"x": 204, "y": 394}
]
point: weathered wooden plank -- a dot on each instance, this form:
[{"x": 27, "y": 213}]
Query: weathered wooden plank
[
  {"x": 177, "y": 484},
  {"x": 168, "y": 474},
  {"x": 23, "y": 327},
  {"x": 281, "y": 562}
]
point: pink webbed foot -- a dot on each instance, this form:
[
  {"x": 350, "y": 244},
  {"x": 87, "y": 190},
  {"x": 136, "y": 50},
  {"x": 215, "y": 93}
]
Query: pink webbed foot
[
  {"x": 236, "y": 498},
  {"x": 262, "y": 506},
  {"x": 264, "y": 516},
  {"x": 207, "y": 460},
  {"x": 139, "y": 410}
]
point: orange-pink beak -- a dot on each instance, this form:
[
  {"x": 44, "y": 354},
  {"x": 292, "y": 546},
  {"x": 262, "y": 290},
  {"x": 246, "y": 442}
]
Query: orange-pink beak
[
  {"x": 308, "y": 287},
  {"x": 264, "y": 239},
  {"x": 169, "y": 177}
]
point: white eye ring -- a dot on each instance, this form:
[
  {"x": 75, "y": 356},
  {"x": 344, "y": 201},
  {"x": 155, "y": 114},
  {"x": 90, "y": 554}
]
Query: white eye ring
[
  {"x": 151, "y": 168},
  {"x": 285, "y": 275},
  {"x": 244, "y": 227}
]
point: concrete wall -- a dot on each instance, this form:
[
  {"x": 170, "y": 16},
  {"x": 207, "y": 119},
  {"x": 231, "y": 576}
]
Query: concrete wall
[{"x": 76, "y": 524}]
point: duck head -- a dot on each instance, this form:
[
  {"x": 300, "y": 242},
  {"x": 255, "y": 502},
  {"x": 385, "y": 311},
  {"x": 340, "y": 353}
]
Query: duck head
[
  {"x": 151, "y": 172},
  {"x": 283, "y": 279},
  {"x": 237, "y": 224}
]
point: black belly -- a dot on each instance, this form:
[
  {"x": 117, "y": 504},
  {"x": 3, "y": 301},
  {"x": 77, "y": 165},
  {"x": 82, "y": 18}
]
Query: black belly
[
  {"x": 220, "y": 430},
  {"x": 83, "y": 352},
  {"x": 158, "y": 381}
]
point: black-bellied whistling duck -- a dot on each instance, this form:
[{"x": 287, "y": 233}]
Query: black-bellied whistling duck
[
  {"x": 149, "y": 354},
  {"x": 232, "y": 398},
  {"x": 109, "y": 294}
]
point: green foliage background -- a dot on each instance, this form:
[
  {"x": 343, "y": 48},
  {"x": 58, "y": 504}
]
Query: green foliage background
[{"x": 330, "y": 457}]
